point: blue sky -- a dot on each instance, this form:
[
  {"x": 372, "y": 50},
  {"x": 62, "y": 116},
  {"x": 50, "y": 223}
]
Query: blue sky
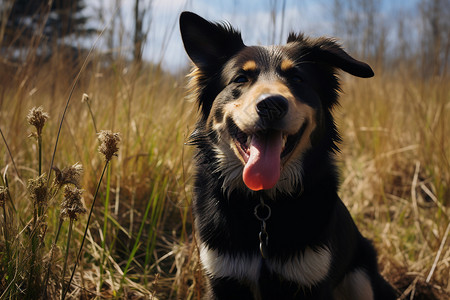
[{"x": 252, "y": 17}]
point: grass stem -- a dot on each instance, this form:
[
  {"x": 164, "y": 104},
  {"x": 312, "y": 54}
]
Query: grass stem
[
  {"x": 85, "y": 232},
  {"x": 72, "y": 89},
  {"x": 105, "y": 224},
  {"x": 50, "y": 261},
  {"x": 92, "y": 116},
  {"x": 40, "y": 154},
  {"x": 66, "y": 256}
]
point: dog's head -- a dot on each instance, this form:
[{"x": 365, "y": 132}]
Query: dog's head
[{"x": 263, "y": 107}]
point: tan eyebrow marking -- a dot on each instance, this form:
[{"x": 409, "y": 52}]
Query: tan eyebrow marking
[
  {"x": 249, "y": 65},
  {"x": 287, "y": 64}
]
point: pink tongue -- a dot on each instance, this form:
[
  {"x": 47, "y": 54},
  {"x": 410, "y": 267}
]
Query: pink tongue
[{"x": 262, "y": 170}]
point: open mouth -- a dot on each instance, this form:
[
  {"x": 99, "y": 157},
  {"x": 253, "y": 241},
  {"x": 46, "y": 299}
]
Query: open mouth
[
  {"x": 243, "y": 141},
  {"x": 262, "y": 153}
]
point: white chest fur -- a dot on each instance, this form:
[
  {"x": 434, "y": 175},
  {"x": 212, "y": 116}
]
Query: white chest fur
[{"x": 307, "y": 268}]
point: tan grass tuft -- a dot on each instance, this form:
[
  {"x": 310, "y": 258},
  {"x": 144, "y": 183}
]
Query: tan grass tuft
[
  {"x": 72, "y": 204},
  {"x": 37, "y": 118},
  {"x": 38, "y": 190},
  {"x": 68, "y": 175},
  {"x": 109, "y": 143},
  {"x": 85, "y": 98}
]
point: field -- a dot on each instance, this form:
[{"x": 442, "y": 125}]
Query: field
[{"x": 395, "y": 174}]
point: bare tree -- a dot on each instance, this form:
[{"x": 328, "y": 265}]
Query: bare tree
[
  {"x": 277, "y": 23},
  {"x": 138, "y": 19},
  {"x": 141, "y": 10},
  {"x": 435, "y": 36},
  {"x": 359, "y": 23}
]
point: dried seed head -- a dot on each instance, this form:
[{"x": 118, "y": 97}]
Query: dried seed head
[
  {"x": 72, "y": 205},
  {"x": 3, "y": 195},
  {"x": 108, "y": 146},
  {"x": 37, "y": 118},
  {"x": 71, "y": 175},
  {"x": 85, "y": 98},
  {"x": 38, "y": 190}
]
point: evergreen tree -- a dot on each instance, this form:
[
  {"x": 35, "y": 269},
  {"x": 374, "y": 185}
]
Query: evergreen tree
[{"x": 37, "y": 19}]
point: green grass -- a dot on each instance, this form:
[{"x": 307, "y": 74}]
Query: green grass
[{"x": 139, "y": 243}]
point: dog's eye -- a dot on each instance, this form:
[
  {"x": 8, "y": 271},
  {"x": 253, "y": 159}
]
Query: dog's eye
[
  {"x": 240, "y": 79},
  {"x": 297, "y": 79}
]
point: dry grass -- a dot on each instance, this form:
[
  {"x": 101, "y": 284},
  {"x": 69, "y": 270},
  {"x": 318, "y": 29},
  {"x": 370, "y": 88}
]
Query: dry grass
[
  {"x": 396, "y": 176},
  {"x": 394, "y": 161},
  {"x": 146, "y": 211}
]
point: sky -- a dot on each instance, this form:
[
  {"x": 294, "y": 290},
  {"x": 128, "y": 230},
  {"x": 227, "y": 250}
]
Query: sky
[{"x": 252, "y": 17}]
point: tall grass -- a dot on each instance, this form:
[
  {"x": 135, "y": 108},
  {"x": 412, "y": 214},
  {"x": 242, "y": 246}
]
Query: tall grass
[
  {"x": 396, "y": 175},
  {"x": 139, "y": 243},
  {"x": 147, "y": 176}
]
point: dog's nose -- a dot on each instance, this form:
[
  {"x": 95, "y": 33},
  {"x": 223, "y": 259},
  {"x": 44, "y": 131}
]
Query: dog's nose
[{"x": 272, "y": 107}]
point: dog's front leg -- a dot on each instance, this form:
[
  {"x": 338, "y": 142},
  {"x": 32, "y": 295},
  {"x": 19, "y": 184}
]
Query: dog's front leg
[
  {"x": 228, "y": 288},
  {"x": 322, "y": 292},
  {"x": 291, "y": 291}
]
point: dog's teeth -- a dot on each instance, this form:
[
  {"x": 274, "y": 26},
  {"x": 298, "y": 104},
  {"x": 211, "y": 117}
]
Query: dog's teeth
[
  {"x": 249, "y": 139},
  {"x": 283, "y": 144}
]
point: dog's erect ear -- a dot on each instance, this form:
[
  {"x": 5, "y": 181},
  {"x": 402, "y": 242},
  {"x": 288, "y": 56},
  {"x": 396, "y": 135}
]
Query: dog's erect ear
[
  {"x": 332, "y": 54},
  {"x": 208, "y": 44},
  {"x": 329, "y": 52}
]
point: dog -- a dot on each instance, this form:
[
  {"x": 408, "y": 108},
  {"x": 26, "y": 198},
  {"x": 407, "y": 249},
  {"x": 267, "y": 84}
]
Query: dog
[{"x": 268, "y": 219}]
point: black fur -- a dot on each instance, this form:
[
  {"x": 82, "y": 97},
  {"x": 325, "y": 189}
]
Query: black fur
[{"x": 310, "y": 217}]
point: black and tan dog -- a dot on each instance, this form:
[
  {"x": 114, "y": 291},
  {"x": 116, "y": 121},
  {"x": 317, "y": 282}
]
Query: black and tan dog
[{"x": 269, "y": 221}]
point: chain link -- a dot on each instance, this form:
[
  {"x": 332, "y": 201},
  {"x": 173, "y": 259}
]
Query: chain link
[{"x": 263, "y": 212}]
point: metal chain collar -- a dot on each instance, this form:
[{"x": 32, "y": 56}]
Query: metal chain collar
[{"x": 263, "y": 212}]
